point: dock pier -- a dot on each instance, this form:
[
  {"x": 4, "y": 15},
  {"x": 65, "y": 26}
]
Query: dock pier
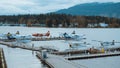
[
  {"x": 26, "y": 47},
  {"x": 2, "y": 59},
  {"x": 60, "y": 60},
  {"x": 9, "y": 44},
  {"x": 39, "y": 39},
  {"x": 90, "y": 56},
  {"x": 54, "y": 61},
  {"x": 47, "y": 39}
]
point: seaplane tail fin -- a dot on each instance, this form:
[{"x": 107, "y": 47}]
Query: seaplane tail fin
[{"x": 48, "y": 33}]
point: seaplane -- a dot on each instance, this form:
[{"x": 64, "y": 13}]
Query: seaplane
[
  {"x": 76, "y": 46},
  {"x": 106, "y": 44},
  {"x": 41, "y": 34},
  {"x": 72, "y": 36},
  {"x": 16, "y": 37},
  {"x": 23, "y": 38}
]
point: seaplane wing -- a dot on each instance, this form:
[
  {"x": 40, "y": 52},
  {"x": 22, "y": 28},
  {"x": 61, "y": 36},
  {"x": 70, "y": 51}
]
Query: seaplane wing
[
  {"x": 96, "y": 41},
  {"x": 3, "y": 36},
  {"x": 22, "y": 38}
]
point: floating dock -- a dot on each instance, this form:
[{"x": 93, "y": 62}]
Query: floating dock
[
  {"x": 9, "y": 44},
  {"x": 27, "y": 47},
  {"x": 86, "y": 51},
  {"x": 93, "y": 56},
  {"x": 49, "y": 39},
  {"x": 2, "y": 59},
  {"x": 39, "y": 39},
  {"x": 54, "y": 61},
  {"x": 70, "y": 52}
]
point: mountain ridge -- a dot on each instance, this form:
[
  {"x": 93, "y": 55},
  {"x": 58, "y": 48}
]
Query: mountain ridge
[{"x": 108, "y": 9}]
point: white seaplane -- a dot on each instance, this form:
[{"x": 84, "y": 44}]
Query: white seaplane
[
  {"x": 72, "y": 36},
  {"x": 107, "y": 44},
  {"x": 76, "y": 46},
  {"x": 16, "y": 37}
]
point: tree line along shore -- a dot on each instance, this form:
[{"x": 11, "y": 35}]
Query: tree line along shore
[{"x": 59, "y": 20}]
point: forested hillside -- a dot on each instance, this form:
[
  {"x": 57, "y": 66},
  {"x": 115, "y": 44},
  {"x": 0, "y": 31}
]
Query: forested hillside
[{"x": 59, "y": 20}]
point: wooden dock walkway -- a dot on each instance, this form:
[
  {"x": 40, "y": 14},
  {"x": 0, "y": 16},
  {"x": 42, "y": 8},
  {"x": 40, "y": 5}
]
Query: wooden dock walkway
[
  {"x": 72, "y": 52},
  {"x": 40, "y": 39},
  {"x": 2, "y": 59},
  {"x": 27, "y": 47},
  {"x": 89, "y": 56},
  {"x": 9, "y": 44},
  {"x": 54, "y": 61},
  {"x": 48, "y": 39}
]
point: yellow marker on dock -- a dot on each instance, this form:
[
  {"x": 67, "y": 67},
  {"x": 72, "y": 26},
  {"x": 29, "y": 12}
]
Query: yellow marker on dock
[{"x": 102, "y": 50}]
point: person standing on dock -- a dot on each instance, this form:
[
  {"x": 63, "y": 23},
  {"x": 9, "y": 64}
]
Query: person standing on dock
[
  {"x": 73, "y": 32},
  {"x": 44, "y": 54},
  {"x": 18, "y": 32},
  {"x": 47, "y": 34},
  {"x": 9, "y": 35},
  {"x": 113, "y": 42},
  {"x": 70, "y": 46}
]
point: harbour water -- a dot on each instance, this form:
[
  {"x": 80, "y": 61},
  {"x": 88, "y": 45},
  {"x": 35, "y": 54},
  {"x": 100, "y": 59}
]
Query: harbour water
[
  {"x": 106, "y": 62},
  {"x": 19, "y": 58}
]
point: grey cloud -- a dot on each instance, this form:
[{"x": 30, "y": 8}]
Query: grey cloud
[{"x": 39, "y": 6}]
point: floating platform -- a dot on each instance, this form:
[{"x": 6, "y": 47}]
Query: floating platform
[
  {"x": 48, "y": 39},
  {"x": 86, "y": 51},
  {"x": 9, "y": 44},
  {"x": 38, "y": 39},
  {"x": 6, "y": 40},
  {"x": 70, "y": 52},
  {"x": 93, "y": 56},
  {"x": 54, "y": 61},
  {"x": 27, "y": 47},
  {"x": 2, "y": 59}
]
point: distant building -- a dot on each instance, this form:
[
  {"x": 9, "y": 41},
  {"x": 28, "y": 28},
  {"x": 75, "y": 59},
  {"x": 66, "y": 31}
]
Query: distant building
[
  {"x": 92, "y": 25},
  {"x": 60, "y": 25},
  {"x": 42, "y": 25},
  {"x": 1, "y": 23},
  {"x": 73, "y": 24},
  {"x": 39, "y": 24},
  {"x": 103, "y": 25}
]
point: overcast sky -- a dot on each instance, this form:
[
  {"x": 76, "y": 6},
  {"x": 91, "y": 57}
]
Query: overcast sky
[{"x": 10, "y": 7}]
